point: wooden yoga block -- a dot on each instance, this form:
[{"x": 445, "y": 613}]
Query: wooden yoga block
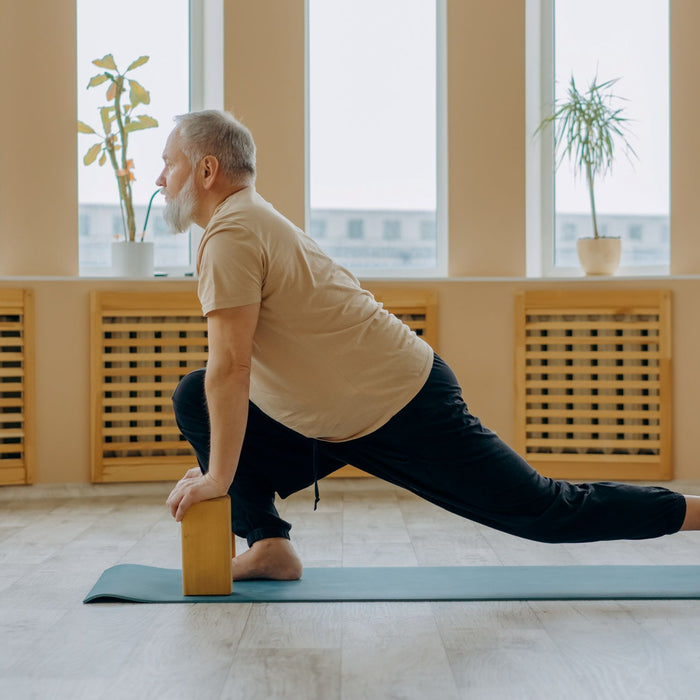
[{"x": 207, "y": 548}]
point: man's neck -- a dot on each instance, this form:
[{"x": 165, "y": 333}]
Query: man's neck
[{"x": 212, "y": 202}]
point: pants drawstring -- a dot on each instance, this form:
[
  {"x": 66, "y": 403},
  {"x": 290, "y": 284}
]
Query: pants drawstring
[{"x": 317, "y": 497}]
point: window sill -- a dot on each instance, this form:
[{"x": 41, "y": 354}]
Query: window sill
[
  {"x": 94, "y": 278},
  {"x": 581, "y": 278}
]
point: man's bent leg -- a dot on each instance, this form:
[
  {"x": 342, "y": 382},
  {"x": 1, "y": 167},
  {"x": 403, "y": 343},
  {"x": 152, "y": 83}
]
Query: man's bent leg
[
  {"x": 273, "y": 459},
  {"x": 192, "y": 415},
  {"x": 253, "y": 512}
]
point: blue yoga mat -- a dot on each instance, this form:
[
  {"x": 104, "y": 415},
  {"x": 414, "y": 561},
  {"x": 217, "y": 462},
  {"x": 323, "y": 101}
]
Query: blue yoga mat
[{"x": 148, "y": 584}]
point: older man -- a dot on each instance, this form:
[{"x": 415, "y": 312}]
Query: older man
[{"x": 307, "y": 372}]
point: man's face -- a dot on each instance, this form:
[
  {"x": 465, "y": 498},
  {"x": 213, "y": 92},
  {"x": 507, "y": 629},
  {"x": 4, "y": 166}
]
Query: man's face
[{"x": 177, "y": 185}]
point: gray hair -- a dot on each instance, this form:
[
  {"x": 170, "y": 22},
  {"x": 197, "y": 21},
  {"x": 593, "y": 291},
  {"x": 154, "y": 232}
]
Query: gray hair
[{"x": 212, "y": 132}]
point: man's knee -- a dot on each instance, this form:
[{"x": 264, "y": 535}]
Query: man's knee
[
  {"x": 563, "y": 518},
  {"x": 552, "y": 514},
  {"x": 189, "y": 394}
]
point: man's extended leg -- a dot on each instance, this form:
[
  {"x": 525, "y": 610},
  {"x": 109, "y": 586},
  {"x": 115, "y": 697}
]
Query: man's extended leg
[
  {"x": 435, "y": 448},
  {"x": 273, "y": 459}
]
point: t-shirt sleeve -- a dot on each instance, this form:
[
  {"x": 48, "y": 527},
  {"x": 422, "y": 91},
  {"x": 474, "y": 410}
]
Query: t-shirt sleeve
[{"x": 231, "y": 270}]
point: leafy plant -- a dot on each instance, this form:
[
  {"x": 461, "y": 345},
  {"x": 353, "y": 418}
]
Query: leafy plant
[
  {"x": 118, "y": 122},
  {"x": 587, "y": 127}
]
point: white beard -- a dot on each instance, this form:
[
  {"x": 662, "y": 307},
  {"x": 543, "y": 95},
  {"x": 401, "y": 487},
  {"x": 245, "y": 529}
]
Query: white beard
[{"x": 179, "y": 212}]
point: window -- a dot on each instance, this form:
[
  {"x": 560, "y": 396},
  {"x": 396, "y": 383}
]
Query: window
[
  {"x": 356, "y": 229},
  {"x": 373, "y": 121},
  {"x": 392, "y": 230},
  {"x": 604, "y": 39},
  {"x": 634, "y": 232},
  {"x": 162, "y": 33}
]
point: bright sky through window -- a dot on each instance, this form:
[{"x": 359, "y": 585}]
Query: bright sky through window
[
  {"x": 129, "y": 29},
  {"x": 626, "y": 39},
  {"x": 372, "y": 103}
]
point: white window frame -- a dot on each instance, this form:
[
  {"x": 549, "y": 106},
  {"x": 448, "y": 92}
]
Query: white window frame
[
  {"x": 539, "y": 150},
  {"x": 540, "y": 155},
  {"x": 441, "y": 214},
  {"x": 206, "y": 77}
]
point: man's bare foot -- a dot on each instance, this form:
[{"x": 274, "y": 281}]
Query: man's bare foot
[{"x": 271, "y": 558}]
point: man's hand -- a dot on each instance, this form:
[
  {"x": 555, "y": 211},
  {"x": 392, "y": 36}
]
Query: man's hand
[{"x": 193, "y": 488}]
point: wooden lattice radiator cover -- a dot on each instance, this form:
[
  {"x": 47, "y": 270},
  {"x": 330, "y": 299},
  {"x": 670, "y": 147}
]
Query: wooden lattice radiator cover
[
  {"x": 141, "y": 346},
  {"x": 416, "y": 307},
  {"x": 593, "y": 383},
  {"x": 17, "y": 369}
]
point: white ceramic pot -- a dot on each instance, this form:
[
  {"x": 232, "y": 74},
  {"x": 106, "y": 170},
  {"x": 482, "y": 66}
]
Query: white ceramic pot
[
  {"x": 132, "y": 259},
  {"x": 599, "y": 256}
]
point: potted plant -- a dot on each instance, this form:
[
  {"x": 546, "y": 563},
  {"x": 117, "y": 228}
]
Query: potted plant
[
  {"x": 131, "y": 256},
  {"x": 587, "y": 128}
]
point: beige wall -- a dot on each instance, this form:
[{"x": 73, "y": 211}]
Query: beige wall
[
  {"x": 264, "y": 81},
  {"x": 486, "y": 128},
  {"x": 264, "y": 87},
  {"x": 38, "y": 113},
  {"x": 685, "y": 136}
]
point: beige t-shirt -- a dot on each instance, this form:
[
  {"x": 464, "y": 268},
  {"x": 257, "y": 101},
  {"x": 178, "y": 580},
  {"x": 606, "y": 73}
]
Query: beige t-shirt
[{"x": 328, "y": 360}]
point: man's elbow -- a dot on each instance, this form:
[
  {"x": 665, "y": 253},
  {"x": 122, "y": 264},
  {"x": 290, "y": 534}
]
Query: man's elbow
[{"x": 232, "y": 371}]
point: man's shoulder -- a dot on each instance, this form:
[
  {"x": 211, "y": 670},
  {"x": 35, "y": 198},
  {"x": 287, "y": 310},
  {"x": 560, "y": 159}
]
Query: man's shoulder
[{"x": 230, "y": 232}]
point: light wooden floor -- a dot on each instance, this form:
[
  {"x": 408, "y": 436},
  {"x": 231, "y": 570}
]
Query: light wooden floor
[{"x": 54, "y": 546}]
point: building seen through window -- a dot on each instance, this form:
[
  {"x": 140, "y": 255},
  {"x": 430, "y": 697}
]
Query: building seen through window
[
  {"x": 643, "y": 236},
  {"x": 317, "y": 228},
  {"x": 406, "y": 244},
  {"x": 356, "y": 229},
  {"x": 97, "y": 219},
  {"x": 392, "y": 230},
  {"x": 427, "y": 229}
]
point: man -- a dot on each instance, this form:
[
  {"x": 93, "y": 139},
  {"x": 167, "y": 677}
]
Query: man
[{"x": 306, "y": 373}]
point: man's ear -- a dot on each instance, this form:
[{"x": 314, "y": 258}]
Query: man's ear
[{"x": 209, "y": 169}]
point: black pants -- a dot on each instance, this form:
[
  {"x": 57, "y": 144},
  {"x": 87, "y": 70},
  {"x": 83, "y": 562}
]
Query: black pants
[{"x": 435, "y": 448}]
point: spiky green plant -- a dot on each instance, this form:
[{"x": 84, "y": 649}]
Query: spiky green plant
[
  {"x": 587, "y": 128},
  {"x": 118, "y": 121}
]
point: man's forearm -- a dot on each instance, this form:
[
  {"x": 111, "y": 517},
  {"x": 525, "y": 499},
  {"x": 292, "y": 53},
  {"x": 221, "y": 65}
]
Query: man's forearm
[{"x": 227, "y": 400}]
